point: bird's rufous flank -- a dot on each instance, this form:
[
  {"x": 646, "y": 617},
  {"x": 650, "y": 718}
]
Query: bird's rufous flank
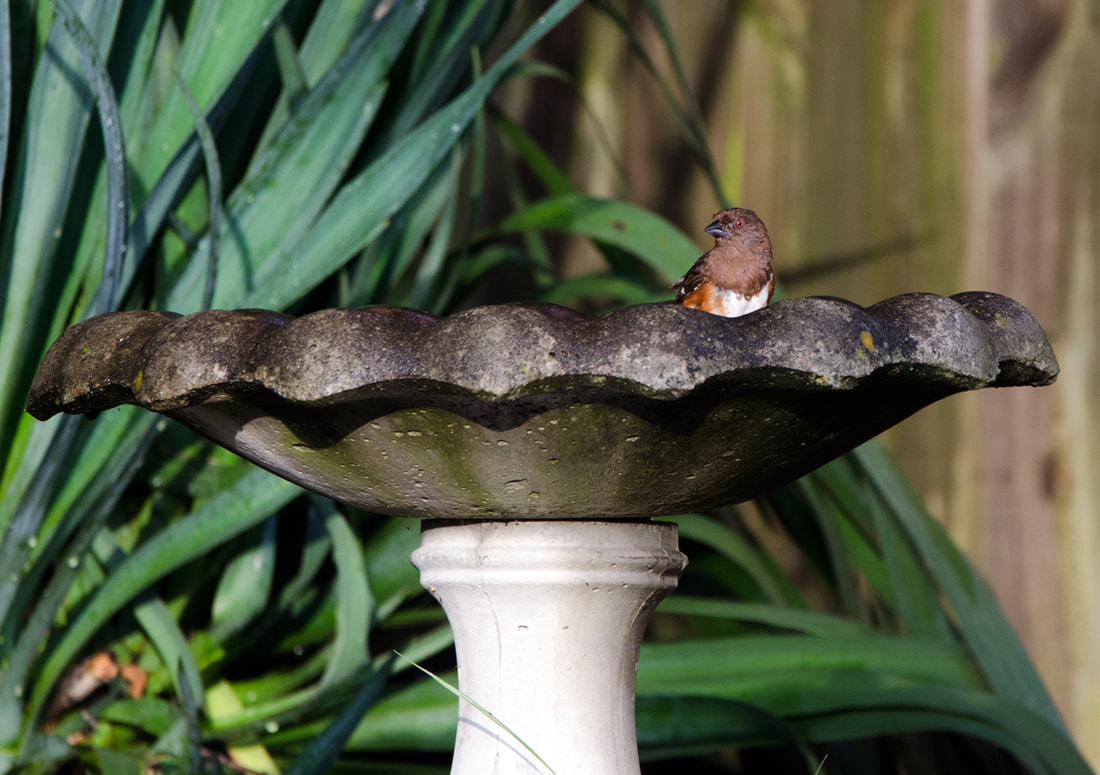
[{"x": 735, "y": 276}]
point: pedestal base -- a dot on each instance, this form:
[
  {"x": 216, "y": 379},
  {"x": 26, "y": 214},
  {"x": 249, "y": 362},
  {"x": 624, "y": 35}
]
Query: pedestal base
[{"x": 548, "y": 618}]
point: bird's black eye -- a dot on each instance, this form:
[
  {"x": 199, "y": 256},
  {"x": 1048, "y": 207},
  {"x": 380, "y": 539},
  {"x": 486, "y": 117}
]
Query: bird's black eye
[{"x": 739, "y": 223}]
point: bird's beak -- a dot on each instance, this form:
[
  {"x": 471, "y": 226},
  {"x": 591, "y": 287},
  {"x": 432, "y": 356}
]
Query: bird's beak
[{"x": 715, "y": 230}]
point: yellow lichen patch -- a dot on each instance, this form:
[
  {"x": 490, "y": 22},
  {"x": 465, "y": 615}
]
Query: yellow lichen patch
[
  {"x": 868, "y": 341},
  {"x": 137, "y": 379}
]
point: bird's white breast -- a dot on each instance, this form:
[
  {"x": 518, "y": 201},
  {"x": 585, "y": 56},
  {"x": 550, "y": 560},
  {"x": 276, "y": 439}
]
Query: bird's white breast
[{"x": 732, "y": 304}]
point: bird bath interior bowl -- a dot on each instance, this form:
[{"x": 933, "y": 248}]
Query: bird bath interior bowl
[{"x": 544, "y": 440}]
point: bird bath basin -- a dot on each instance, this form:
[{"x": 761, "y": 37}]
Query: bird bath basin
[{"x": 540, "y": 442}]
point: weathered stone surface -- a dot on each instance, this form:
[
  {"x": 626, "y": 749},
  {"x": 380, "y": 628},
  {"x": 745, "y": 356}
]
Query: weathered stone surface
[{"x": 533, "y": 411}]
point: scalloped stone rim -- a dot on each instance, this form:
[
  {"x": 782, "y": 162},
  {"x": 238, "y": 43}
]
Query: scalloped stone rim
[{"x": 164, "y": 361}]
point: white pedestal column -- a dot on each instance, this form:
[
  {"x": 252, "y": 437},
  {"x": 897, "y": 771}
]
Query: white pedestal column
[{"x": 547, "y": 618}]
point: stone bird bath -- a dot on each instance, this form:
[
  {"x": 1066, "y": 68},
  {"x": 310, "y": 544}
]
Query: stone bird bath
[{"x": 539, "y": 443}]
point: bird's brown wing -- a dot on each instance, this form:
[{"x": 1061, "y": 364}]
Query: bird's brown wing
[{"x": 690, "y": 281}]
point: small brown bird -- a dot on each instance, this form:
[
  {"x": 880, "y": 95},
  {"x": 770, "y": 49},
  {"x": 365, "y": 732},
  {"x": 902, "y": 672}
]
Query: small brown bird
[{"x": 735, "y": 276}]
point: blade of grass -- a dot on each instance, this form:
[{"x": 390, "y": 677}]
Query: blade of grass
[
  {"x": 221, "y": 700},
  {"x": 479, "y": 708},
  {"x": 873, "y": 712},
  {"x": 537, "y": 255},
  {"x": 795, "y": 619},
  {"x": 38, "y": 751},
  {"x": 164, "y": 633},
  {"x": 33, "y": 631},
  {"x": 428, "y": 278},
  {"x": 5, "y": 91},
  {"x": 110, "y": 121},
  {"x": 137, "y": 37},
  {"x": 483, "y": 260},
  {"x": 844, "y": 547},
  {"x": 333, "y": 26},
  {"x": 621, "y": 224},
  {"x": 193, "y": 759},
  {"x": 470, "y": 191},
  {"x": 214, "y": 185},
  {"x": 354, "y": 604},
  {"x": 290, "y": 710},
  {"x": 534, "y": 156},
  {"x": 417, "y": 717},
  {"x": 806, "y": 500},
  {"x": 29, "y": 508},
  {"x": 293, "y": 76},
  {"x": 315, "y": 550},
  {"x": 688, "y": 726},
  {"x": 555, "y": 180},
  {"x": 689, "y": 121},
  {"x": 57, "y": 116},
  {"x": 321, "y": 752},
  {"x": 787, "y": 673},
  {"x": 917, "y": 599},
  {"x": 623, "y": 289},
  {"x": 691, "y": 116},
  {"x": 832, "y": 524},
  {"x": 386, "y": 554},
  {"x": 759, "y": 567},
  {"x": 274, "y": 685},
  {"x": 409, "y": 228},
  {"x": 245, "y": 585},
  {"x": 150, "y": 714}
]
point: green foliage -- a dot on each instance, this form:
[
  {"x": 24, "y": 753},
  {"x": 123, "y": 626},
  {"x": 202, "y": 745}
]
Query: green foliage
[{"x": 348, "y": 139}]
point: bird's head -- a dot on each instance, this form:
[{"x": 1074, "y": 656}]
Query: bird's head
[{"x": 736, "y": 222}]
